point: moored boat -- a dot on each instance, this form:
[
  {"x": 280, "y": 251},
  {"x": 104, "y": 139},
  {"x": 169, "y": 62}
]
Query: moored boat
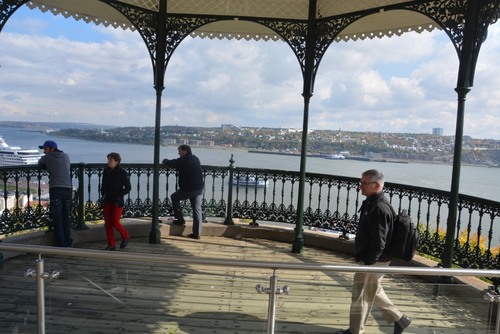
[
  {"x": 336, "y": 157},
  {"x": 15, "y": 155},
  {"x": 250, "y": 181}
]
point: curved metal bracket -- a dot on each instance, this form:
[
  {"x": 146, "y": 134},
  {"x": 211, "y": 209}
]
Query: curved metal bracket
[
  {"x": 147, "y": 24},
  {"x": 7, "y": 8}
]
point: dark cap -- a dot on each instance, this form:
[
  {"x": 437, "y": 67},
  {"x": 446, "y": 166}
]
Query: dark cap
[{"x": 48, "y": 143}]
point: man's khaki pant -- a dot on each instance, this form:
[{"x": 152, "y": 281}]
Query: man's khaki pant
[{"x": 366, "y": 291}]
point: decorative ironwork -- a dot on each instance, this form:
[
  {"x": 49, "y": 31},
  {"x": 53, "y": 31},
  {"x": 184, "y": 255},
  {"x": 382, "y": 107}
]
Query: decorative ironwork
[
  {"x": 452, "y": 16},
  {"x": 7, "y": 8},
  {"x": 145, "y": 21},
  {"x": 147, "y": 24},
  {"x": 295, "y": 35},
  {"x": 260, "y": 195}
]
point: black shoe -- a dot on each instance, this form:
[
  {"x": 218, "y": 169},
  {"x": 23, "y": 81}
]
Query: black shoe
[
  {"x": 124, "y": 243},
  {"x": 110, "y": 248},
  {"x": 179, "y": 222},
  {"x": 344, "y": 331},
  {"x": 193, "y": 236},
  {"x": 402, "y": 324}
]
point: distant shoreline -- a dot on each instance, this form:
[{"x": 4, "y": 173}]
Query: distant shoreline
[
  {"x": 359, "y": 158},
  {"x": 325, "y": 156}
]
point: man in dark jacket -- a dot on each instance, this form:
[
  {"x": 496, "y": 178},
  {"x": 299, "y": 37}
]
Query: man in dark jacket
[
  {"x": 60, "y": 191},
  {"x": 190, "y": 187},
  {"x": 372, "y": 242}
]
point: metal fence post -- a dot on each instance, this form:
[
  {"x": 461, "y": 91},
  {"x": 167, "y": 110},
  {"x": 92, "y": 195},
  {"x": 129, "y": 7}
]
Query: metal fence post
[
  {"x": 40, "y": 276},
  {"x": 80, "y": 223},
  {"x": 492, "y": 295},
  {"x": 40, "y": 292},
  {"x": 229, "y": 211},
  {"x": 272, "y": 291}
]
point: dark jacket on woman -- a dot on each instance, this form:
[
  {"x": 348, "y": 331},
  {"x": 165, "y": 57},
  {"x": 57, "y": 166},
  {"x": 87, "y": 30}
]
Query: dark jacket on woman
[
  {"x": 375, "y": 230},
  {"x": 115, "y": 185}
]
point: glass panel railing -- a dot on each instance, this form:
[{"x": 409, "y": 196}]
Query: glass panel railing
[
  {"x": 172, "y": 288},
  {"x": 18, "y": 294},
  {"x": 319, "y": 302},
  {"x": 93, "y": 295}
]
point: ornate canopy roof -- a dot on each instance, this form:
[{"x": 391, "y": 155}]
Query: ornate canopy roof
[{"x": 237, "y": 13}]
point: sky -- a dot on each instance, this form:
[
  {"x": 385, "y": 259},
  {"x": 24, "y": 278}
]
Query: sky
[{"x": 54, "y": 69}]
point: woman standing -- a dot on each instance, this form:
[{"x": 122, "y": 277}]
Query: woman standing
[{"x": 115, "y": 185}]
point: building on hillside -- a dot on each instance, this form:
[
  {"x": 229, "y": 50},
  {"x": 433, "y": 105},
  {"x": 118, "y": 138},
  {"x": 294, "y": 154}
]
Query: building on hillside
[
  {"x": 226, "y": 127},
  {"x": 169, "y": 141},
  {"x": 10, "y": 202},
  {"x": 437, "y": 131}
]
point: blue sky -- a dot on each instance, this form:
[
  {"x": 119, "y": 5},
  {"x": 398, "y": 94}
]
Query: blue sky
[{"x": 56, "y": 69}]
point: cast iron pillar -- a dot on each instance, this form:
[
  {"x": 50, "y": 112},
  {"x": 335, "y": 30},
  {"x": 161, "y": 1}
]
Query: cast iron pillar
[
  {"x": 298, "y": 241},
  {"x": 159, "y": 69},
  {"x": 477, "y": 19},
  {"x": 455, "y": 179}
]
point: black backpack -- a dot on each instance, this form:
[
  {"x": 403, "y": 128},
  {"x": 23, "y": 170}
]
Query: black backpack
[{"x": 405, "y": 236}]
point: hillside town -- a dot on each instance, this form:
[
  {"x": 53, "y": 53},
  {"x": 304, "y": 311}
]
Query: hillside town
[{"x": 433, "y": 147}]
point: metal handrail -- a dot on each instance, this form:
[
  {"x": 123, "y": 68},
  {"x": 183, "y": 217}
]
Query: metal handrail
[{"x": 156, "y": 258}]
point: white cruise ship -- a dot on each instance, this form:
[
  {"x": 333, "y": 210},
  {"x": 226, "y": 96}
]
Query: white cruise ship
[{"x": 14, "y": 155}]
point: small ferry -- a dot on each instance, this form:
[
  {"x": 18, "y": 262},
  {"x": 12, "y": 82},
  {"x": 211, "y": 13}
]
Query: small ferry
[
  {"x": 336, "y": 157},
  {"x": 250, "y": 181},
  {"x": 15, "y": 155}
]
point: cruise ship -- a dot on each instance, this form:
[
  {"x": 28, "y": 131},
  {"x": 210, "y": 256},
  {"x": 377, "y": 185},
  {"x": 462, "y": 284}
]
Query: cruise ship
[{"x": 14, "y": 155}]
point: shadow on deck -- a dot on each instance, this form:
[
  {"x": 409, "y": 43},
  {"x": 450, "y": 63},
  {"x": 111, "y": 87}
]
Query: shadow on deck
[{"x": 96, "y": 296}]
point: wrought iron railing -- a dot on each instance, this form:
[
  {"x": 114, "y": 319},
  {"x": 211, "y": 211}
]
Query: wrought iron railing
[{"x": 331, "y": 203}]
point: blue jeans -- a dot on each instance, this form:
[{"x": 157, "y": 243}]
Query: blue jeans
[
  {"x": 60, "y": 208},
  {"x": 194, "y": 197}
]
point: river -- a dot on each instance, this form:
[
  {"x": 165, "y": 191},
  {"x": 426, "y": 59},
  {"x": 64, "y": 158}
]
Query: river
[{"x": 475, "y": 180}]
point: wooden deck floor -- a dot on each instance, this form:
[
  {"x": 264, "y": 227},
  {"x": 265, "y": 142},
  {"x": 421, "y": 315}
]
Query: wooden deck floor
[{"x": 95, "y": 296}]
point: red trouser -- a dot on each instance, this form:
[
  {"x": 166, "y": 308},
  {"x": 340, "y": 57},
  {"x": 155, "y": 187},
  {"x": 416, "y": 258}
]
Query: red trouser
[{"x": 112, "y": 214}]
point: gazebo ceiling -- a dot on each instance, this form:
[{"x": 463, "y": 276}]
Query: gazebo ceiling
[{"x": 382, "y": 23}]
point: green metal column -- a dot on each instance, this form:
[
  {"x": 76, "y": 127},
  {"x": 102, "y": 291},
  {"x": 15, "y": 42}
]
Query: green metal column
[
  {"x": 154, "y": 235},
  {"x": 455, "y": 180},
  {"x": 298, "y": 241},
  {"x": 474, "y": 34}
]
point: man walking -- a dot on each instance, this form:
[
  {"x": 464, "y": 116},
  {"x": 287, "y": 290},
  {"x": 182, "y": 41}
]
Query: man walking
[
  {"x": 372, "y": 239},
  {"x": 190, "y": 187},
  {"x": 60, "y": 191}
]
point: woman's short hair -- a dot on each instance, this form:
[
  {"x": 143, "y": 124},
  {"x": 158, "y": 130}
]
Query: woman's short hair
[{"x": 115, "y": 156}]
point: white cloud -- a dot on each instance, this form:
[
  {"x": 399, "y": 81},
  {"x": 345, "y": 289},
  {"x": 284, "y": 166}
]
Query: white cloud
[{"x": 51, "y": 69}]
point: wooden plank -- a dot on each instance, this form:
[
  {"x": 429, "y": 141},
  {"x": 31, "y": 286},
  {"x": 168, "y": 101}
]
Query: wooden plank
[{"x": 95, "y": 296}]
